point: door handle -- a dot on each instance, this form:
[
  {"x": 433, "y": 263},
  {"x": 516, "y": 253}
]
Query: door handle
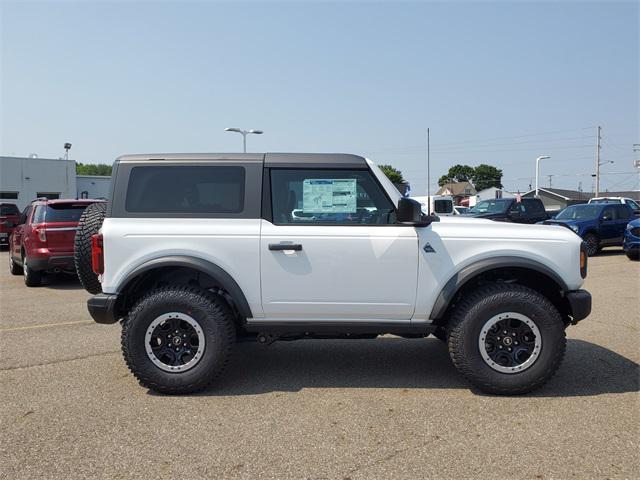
[{"x": 285, "y": 246}]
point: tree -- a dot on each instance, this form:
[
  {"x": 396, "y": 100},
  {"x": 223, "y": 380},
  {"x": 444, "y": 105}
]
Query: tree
[
  {"x": 93, "y": 169},
  {"x": 457, "y": 173},
  {"x": 392, "y": 174},
  {"x": 487, "y": 176}
]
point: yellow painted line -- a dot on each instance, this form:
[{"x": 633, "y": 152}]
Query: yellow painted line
[{"x": 45, "y": 325}]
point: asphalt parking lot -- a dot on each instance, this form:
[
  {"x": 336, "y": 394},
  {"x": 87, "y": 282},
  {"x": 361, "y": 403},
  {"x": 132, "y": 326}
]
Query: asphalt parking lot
[{"x": 385, "y": 408}]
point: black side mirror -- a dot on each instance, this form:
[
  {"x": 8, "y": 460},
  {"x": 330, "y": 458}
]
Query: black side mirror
[{"x": 410, "y": 213}]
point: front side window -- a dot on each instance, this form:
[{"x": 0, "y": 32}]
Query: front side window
[
  {"x": 25, "y": 215},
  {"x": 609, "y": 213},
  {"x": 329, "y": 197},
  {"x": 186, "y": 189}
]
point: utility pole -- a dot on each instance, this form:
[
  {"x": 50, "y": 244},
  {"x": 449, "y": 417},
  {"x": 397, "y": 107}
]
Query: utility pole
[
  {"x": 428, "y": 173},
  {"x": 549, "y": 180},
  {"x": 598, "y": 163}
]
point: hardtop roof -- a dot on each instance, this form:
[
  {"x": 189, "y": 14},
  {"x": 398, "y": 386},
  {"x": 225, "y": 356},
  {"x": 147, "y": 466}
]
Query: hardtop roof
[{"x": 275, "y": 159}]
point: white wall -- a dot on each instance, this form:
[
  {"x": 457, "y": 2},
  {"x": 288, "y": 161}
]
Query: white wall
[
  {"x": 33, "y": 176},
  {"x": 95, "y": 186}
]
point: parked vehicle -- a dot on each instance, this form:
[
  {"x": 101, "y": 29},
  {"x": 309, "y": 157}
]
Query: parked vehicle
[
  {"x": 614, "y": 200},
  {"x": 42, "y": 240},
  {"x": 459, "y": 210},
  {"x": 439, "y": 204},
  {"x": 525, "y": 210},
  {"x": 631, "y": 244},
  {"x": 599, "y": 224},
  {"x": 197, "y": 250},
  {"x": 9, "y": 215}
]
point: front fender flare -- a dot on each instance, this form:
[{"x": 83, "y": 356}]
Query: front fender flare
[
  {"x": 457, "y": 281},
  {"x": 225, "y": 280}
]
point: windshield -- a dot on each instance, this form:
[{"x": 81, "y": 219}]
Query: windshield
[
  {"x": 605, "y": 200},
  {"x": 490, "y": 206},
  {"x": 579, "y": 212}
]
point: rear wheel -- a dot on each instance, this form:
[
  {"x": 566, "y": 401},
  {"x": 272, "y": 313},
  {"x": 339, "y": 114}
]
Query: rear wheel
[
  {"x": 88, "y": 225},
  {"x": 178, "y": 339},
  {"x": 14, "y": 268},
  {"x": 593, "y": 244},
  {"x": 32, "y": 278},
  {"x": 506, "y": 339}
]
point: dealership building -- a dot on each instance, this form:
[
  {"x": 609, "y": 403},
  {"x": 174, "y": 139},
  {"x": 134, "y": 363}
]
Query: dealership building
[{"x": 22, "y": 179}]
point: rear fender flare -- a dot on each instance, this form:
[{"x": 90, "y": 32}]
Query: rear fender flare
[{"x": 225, "y": 280}]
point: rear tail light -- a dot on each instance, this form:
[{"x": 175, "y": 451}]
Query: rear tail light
[
  {"x": 41, "y": 233},
  {"x": 584, "y": 260},
  {"x": 97, "y": 254}
]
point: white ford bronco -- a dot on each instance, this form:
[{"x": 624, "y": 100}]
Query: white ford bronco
[{"x": 195, "y": 252}]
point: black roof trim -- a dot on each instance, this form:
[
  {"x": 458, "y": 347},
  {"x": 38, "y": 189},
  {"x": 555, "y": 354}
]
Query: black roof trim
[
  {"x": 311, "y": 160},
  {"x": 190, "y": 157},
  {"x": 344, "y": 160}
]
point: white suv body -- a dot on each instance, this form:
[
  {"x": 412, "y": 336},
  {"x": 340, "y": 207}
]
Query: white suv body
[{"x": 354, "y": 269}]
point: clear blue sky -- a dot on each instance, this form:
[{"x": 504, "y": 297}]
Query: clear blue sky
[{"x": 366, "y": 78}]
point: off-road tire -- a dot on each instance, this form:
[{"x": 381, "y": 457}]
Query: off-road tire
[
  {"x": 212, "y": 314},
  {"x": 471, "y": 314},
  {"x": 14, "y": 268},
  {"x": 89, "y": 224},
  {"x": 31, "y": 277},
  {"x": 593, "y": 244}
]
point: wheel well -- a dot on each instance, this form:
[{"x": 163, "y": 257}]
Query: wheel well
[
  {"x": 533, "y": 279},
  {"x": 149, "y": 280}
]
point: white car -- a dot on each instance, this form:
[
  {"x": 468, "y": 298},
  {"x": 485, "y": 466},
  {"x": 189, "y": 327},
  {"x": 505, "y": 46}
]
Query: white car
[
  {"x": 198, "y": 250},
  {"x": 635, "y": 206}
]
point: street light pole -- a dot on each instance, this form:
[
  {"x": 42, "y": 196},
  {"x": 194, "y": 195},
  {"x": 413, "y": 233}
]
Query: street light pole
[
  {"x": 244, "y": 134},
  {"x": 542, "y": 157},
  {"x": 598, "y": 164}
]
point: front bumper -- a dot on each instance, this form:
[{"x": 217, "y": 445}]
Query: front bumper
[
  {"x": 102, "y": 308},
  {"x": 580, "y": 304}
]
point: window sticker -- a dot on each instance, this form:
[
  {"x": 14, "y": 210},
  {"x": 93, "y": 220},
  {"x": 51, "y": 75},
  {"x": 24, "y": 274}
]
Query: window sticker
[{"x": 329, "y": 195}]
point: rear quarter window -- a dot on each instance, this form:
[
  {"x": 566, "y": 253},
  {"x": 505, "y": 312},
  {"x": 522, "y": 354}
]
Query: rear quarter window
[{"x": 186, "y": 189}]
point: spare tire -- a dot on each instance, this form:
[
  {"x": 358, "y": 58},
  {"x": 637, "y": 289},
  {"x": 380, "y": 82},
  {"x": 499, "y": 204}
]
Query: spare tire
[{"x": 89, "y": 224}]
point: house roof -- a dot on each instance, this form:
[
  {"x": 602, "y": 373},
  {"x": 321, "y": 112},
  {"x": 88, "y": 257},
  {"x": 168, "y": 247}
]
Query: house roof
[
  {"x": 457, "y": 188},
  {"x": 576, "y": 195}
]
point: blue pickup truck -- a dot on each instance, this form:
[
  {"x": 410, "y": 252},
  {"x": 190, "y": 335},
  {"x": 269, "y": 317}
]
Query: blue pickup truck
[{"x": 599, "y": 224}]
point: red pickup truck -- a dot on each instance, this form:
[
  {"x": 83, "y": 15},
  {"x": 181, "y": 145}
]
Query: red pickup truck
[
  {"x": 42, "y": 240},
  {"x": 9, "y": 215}
]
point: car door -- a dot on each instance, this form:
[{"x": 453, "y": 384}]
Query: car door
[
  {"x": 608, "y": 225},
  {"x": 18, "y": 233},
  {"x": 330, "y": 248},
  {"x": 624, "y": 214}
]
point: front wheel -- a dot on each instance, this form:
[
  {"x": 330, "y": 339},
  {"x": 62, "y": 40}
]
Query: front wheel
[
  {"x": 178, "y": 339},
  {"x": 593, "y": 244},
  {"x": 506, "y": 339}
]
